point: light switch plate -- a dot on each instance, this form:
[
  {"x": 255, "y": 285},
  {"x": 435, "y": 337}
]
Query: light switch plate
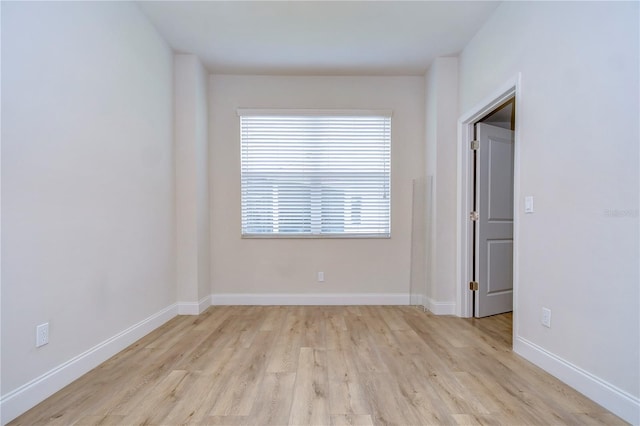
[{"x": 528, "y": 204}]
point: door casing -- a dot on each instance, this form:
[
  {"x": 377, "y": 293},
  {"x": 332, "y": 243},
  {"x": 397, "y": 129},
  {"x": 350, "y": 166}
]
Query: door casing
[{"x": 510, "y": 89}]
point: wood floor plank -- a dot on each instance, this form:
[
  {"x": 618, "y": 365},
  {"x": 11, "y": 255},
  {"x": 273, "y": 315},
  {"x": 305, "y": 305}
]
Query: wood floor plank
[
  {"x": 273, "y": 318},
  {"x": 337, "y": 337},
  {"x": 351, "y": 420},
  {"x": 134, "y": 392},
  {"x": 314, "y": 330},
  {"x": 346, "y": 395},
  {"x": 417, "y": 390},
  {"x": 192, "y": 408},
  {"x": 410, "y": 342},
  {"x": 380, "y": 331},
  {"x": 334, "y": 316},
  {"x": 393, "y": 317},
  {"x": 100, "y": 421},
  {"x": 598, "y": 418},
  {"x": 168, "y": 334},
  {"x": 466, "y": 419},
  {"x": 274, "y": 405},
  {"x": 286, "y": 351},
  {"x": 242, "y": 389},
  {"x": 302, "y": 365},
  {"x": 310, "y": 404},
  {"x": 226, "y": 421},
  {"x": 363, "y": 346},
  {"x": 159, "y": 401},
  {"x": 388, "y": 404}
]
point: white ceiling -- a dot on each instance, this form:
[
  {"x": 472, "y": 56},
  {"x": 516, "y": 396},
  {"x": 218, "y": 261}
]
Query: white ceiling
[{"x": 318, "y": 37}]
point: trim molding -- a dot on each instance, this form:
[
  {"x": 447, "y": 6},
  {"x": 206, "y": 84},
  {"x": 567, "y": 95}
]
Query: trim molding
[
  {"x": 616, "y": 400},
  {"x": 418, "y": 300},
  {"x": 194, "y": 308},
  {"x": 37, "y": 390},
  {"x": 511, "y": 88},
  {"x": 310, "y": 299},
  {"x": 441, "y": 308}
]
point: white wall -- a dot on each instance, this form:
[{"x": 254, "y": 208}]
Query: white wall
[
  {"x": 289, "y": 266},
  {"x": 87, "y": 180},
  {"x": 192, "y": 182},
  {"x": 578, "y": 125},
  {"x": 441, "y": 163}
]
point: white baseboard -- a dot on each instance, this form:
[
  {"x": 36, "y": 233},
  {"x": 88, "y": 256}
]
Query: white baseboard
[
  {"x": 30, "y": 394},
  {"x": 619, "y": 402},
  {"x": 417, "y": 299},
  {"x": 441, "y": 308},
  {"x": 433, "y": 306},
  {"x": 194, "y": 308},
  {"x": 311, "y": 299}
]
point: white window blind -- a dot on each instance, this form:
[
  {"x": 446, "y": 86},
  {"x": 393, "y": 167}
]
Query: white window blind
[{"x": 315, "y": 173}]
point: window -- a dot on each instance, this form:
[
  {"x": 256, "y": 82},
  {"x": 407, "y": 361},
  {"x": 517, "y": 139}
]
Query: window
[{"x": 315, "y": 173}]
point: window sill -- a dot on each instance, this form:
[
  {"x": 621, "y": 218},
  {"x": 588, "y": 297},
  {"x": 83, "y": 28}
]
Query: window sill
[{"x": 313, "y": 237}]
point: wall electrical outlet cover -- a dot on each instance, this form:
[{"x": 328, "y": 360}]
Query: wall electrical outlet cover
[
  {"x": 42, "y": 334},
  {"x": 546, "y": 317}
]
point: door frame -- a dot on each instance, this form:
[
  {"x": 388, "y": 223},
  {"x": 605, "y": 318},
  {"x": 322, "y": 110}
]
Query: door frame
[{"x": 510, "y": 89}]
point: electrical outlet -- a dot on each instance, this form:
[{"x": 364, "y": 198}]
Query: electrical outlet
[
  {"x": 42, "y": 334},
  {"x": 546, "y": 317},
  {"x": 320, "y": 277}
]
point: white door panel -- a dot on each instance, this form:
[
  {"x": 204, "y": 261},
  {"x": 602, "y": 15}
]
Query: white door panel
[
  {"x": 494, "y": 227},
  {"x": 500, "y": 266}
]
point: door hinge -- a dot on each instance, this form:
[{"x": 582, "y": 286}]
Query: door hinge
[
  {"x": 473, "y": 285},
  {"x": 474, "y": 216},
  {"x": 475, "y": 145}
]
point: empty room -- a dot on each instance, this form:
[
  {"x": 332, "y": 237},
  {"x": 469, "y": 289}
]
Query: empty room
[{"x": 320, "y": 212}]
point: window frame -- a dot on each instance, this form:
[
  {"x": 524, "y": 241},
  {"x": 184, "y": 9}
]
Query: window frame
[{"x": 386, "y": 113}]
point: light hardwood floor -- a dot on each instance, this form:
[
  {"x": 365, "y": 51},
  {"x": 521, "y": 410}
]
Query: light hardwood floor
[{"x": 329, "y": 365}]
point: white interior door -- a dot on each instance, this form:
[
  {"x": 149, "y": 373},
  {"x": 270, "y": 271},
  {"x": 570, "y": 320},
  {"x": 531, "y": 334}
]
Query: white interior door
[{"x": 494, "y": 225}]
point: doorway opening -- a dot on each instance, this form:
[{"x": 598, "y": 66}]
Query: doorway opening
[
  {"x": 497, "y": 111},
  {"x": 492, "y": 215}
]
